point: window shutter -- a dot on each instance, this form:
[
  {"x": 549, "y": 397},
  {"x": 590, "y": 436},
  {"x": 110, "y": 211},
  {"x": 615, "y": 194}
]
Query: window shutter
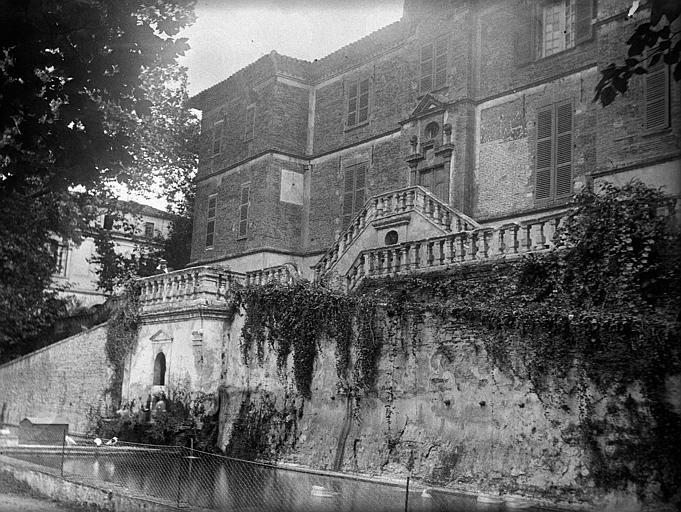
[
  {"x": 542, "y": 184},
  {"x": 563, "y": 149},
  {"x": 440, "y": 63},
  {"x": 352, "y": 105},
  {"x": 527, "y": 32},
  {"x": 348, "y": 195},
  {"x": 360, "y": 186},
  {"x": 243, "y": 211},
  {"x": 441, "y": 189},
  {"x": 657, "y": 97},
  {"x": 217, "y": 138},
  {"x": 210, "y": 224},
  {"x": 363, "y": 101},
  {"x": 426, "y": 83},
  {"x": 249, "y": 129},
  {"x": 583, "y": 17}
]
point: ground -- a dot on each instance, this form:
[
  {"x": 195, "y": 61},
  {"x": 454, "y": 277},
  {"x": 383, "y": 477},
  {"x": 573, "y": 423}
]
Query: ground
[{"x": 17, "y": 496}]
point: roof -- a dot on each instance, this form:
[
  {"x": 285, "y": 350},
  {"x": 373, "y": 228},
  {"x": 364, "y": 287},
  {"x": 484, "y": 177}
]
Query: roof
[
  {"x": 44, "y": 420},
  {"x": 346, "y": 57},
  {"x": 144, "y": 209}
]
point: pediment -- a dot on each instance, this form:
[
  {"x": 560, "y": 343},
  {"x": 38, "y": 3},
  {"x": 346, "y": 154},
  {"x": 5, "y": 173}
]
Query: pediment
[
  {"x": 161, "y": 337},
  {"x": 429, "y": 104}
]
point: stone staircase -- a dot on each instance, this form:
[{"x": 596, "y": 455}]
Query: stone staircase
[{"x": 423, "y": 214}]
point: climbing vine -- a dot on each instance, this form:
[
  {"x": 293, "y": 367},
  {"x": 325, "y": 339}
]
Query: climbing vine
[
  {"x": 121, "y": 336},
  {"x": 605, "y": 304}
]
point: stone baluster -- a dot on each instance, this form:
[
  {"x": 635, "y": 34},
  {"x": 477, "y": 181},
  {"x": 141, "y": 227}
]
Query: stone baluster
[
  {"x": 441, "y": 251},
  {"x": 451, "y": 250},
  {"x": 541, "y": 238},
  {"x": 483, "y": 253},
  {"x": 411, "y": 199},
  {"x": 372, "y": 264},
  {"x": 407, "y": 256},
  {"x": 501, "y": 245},
  {"x": 417, "y": 255},
  {"x": 527, "y": 242}
]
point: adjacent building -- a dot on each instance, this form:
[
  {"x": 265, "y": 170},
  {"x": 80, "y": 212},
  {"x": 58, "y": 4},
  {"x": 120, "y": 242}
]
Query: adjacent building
[{"x": 132, "y": 225}]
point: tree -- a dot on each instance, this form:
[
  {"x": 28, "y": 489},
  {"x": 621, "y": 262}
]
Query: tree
[
  {"x": 73, "y": 101},
  {"x": 652, "y": 42}
]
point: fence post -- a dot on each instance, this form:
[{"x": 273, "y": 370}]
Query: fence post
[
  {"x": 63, "y": 450},
  {"x": 179, "y": 479},
  {"x": 406, "y": 497}
]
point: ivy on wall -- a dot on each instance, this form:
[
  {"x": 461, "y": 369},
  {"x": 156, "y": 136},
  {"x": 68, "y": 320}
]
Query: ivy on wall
[
  {"x": 606, "y": 304},
  {"x": 121, "y": 336}
]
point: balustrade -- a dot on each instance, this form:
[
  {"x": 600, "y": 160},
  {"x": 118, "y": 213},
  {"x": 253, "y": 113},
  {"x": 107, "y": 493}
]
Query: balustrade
[
  {"x": 394, "y": 203},
  {"x": 482, "y": 244},
  {"x": 205, "y": 285}
]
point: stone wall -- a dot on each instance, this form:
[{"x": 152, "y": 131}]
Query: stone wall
[{"x": 64, "y": 381}]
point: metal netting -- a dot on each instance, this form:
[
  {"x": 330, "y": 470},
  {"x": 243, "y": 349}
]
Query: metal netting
[{"x": 188, "y": 477}]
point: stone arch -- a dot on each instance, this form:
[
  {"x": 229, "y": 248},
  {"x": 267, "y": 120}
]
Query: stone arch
[{"x": 160, "y": 369}]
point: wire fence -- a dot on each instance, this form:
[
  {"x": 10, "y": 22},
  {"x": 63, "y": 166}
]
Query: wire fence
[{"x": 189, "y": 477}]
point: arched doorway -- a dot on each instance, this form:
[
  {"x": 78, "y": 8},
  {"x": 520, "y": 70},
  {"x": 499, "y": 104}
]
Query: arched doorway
[{"x": 160, "y": 370}]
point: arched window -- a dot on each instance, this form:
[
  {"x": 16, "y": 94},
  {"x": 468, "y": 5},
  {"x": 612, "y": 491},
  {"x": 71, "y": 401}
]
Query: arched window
[{"x": 160, "y": 370}]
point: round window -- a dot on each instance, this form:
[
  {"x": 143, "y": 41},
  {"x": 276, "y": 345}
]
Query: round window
[
  {"x": 432, "y": 129},
  {"x": 391, "y": 237}
]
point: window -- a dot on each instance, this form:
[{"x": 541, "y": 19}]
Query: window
[
  {"x": 210, "y": 221},
  {"x": 149, "y": 230},
  {"x": 108, "y": 222},
  {"x": 58, "y": 252},
  {"x": 552, "y": 26},
  {"x": 249, "y": 128},
  {"x": 558, "y": 27},
  {"x": 435, "y": 180},
  {"x": 160, "y": 369},
  {"x": 358, "y": 102},
  {"x": 553, "y": 175},
  {"x": 354, "y": 191},
  {"x": 433, "y": 66},
  {"x": 657, "y": 97},
  {"x": 217, "y": 137},
  {"x": 243, "y": 209}
]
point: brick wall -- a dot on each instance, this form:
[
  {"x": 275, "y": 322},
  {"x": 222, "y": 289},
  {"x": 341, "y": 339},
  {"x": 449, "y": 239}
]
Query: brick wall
[
  {"x": 504, "y": 178},
  {"x": 63, "y": 381}
]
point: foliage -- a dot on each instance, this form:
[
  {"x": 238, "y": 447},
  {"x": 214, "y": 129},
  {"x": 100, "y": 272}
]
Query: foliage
[
  {"x": 651, "y": 42},
  {"x": 292, "y": 319},
  {"x": 115, "y": 268},
  {"x": 121, "y": 335},
  {"x": 27, "y": 307},
  {"x": 71, "y": 72},
  {"x": 262, "y": 431},
  {"x": 84, "y": 104},
  {"x": 188, "y": 415},
  {"x": 604, "y": 307}
]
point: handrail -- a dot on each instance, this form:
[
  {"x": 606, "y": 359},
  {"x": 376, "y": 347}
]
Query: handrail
[
  {"x": 389, "y": 204},
  {"x": 482, "y": 244},
  {"x": 189, "y": 286}
]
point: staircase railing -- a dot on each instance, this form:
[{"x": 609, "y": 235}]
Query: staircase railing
[
  {"x": 390, "y": 204},
  {"x": 481, "y": 244}
]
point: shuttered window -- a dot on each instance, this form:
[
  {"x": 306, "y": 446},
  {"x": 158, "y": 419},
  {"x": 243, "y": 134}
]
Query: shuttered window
[
  {"x": 553, "y": 172},
  {"x": 210, "y": 221},
  {"x": 657, "y": 97},
  {"x": 354, "y": 191},
  {"x": 249, "y": 127},
  {"x": 244, "y": 204},
  {"x": 433, "y": 66},
  {"x": 358, "y": 102}
]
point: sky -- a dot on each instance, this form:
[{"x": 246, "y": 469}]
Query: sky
[{"x": 230, "y": 34}]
